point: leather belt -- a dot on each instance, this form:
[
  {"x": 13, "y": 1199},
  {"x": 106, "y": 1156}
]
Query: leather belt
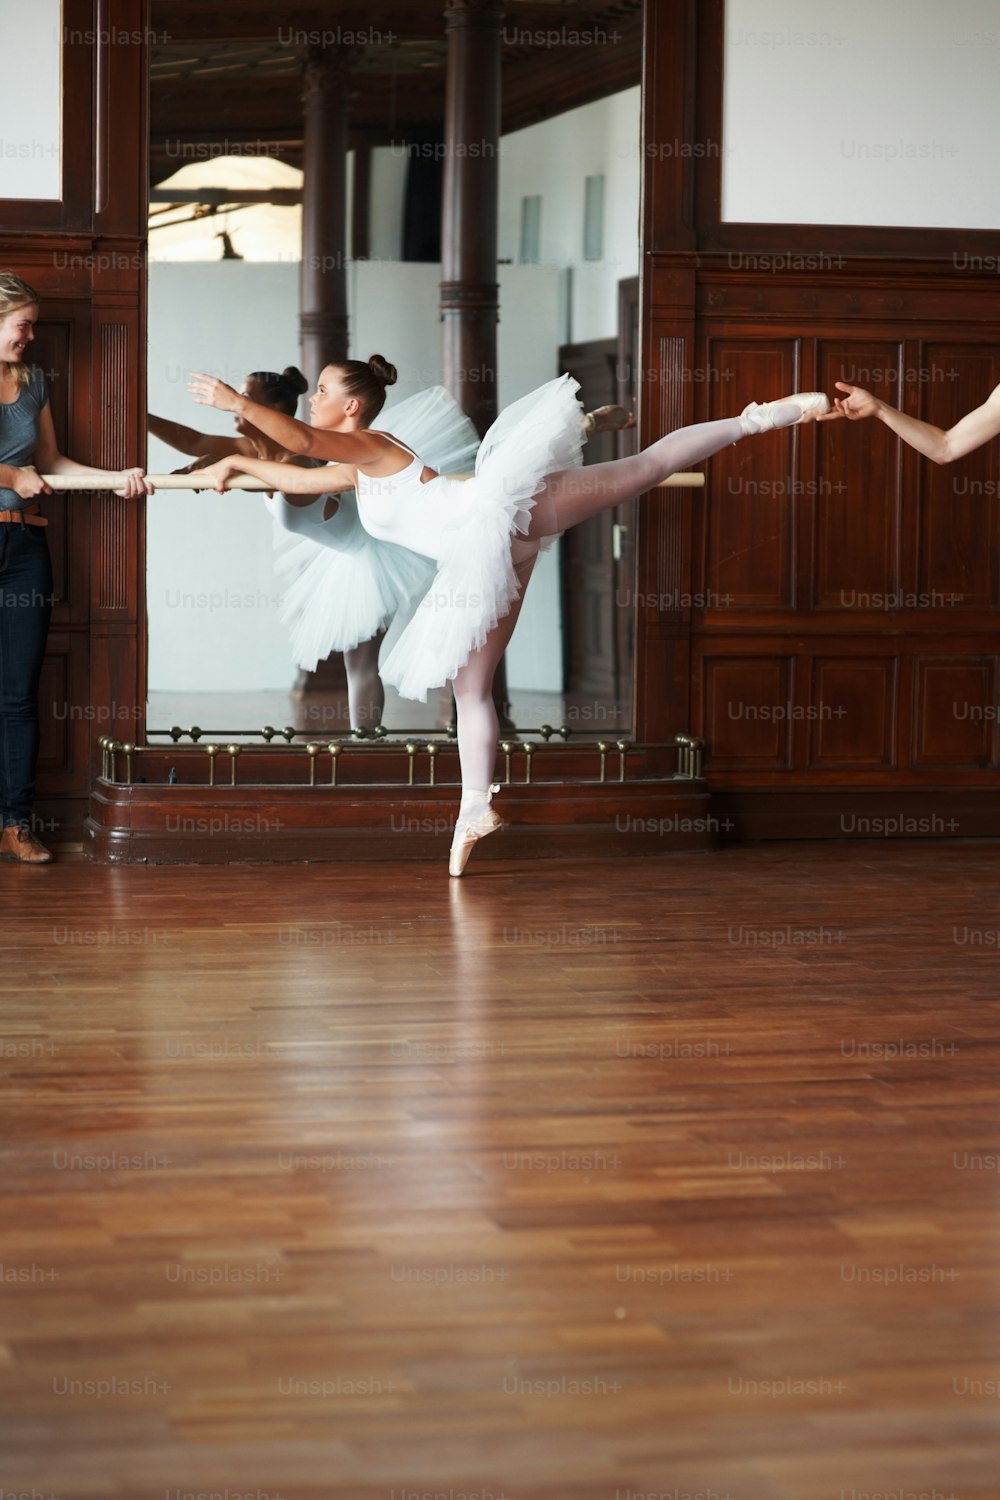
[{"x": 31, "y": 516}]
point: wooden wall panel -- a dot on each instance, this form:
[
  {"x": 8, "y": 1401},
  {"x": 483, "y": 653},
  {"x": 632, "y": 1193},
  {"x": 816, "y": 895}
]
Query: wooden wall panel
[
  {"x": 856, "y": 498},
  {"x": 748, "y": 711},
  {"x": 60, "y": 343},
  {"x": 86, "y": 256},
  {"x": 957, "y": 529},
  {"x": 851, "y": 713},
  {"x": 69, "y": 719},
  {"x": 954, "y": 711},
  {"x": 749, "y": 523}
]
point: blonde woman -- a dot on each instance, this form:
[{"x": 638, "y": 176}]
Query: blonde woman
[{"x": 27, "y": 446}]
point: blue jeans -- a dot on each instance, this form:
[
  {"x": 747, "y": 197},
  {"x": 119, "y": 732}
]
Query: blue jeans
[{"x": 25, "y": 607}]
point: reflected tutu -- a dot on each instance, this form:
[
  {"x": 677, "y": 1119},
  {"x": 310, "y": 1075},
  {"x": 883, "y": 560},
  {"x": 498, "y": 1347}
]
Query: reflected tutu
[{"x": 342, "y": 586}]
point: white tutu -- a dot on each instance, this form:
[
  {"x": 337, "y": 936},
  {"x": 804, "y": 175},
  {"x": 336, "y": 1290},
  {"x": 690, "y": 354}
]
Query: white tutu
[
  {"x": 475, "y": 583},
  {"x": 343, "y": 586}
]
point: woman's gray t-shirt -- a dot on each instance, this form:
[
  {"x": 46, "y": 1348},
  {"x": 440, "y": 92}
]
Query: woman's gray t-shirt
[{"x": 19, "y": 432}]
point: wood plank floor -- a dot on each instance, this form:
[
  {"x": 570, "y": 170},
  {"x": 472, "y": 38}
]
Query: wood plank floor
[{"x": 669, "y": 1177}]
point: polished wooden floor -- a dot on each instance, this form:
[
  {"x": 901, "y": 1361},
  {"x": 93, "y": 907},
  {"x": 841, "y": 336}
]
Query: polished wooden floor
[{"x": 568, "y": 1181}]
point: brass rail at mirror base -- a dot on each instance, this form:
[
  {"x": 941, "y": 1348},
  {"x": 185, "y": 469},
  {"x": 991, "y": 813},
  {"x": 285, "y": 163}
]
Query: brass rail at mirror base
[
  {"x": 379, "y": 735},
  {"x": 120, "y": 761}
]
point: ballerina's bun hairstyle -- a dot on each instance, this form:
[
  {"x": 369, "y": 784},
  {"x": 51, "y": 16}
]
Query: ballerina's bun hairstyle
[
  {"x": 282, "y": 391},
  {"x": 366, "y": 380},
  {"x": 14, "y": 294}
]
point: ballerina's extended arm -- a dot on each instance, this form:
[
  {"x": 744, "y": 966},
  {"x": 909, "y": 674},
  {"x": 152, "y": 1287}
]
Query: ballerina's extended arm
[
  {"x": 296, "y": 436},
  {"x": 203, "y": 444},
  {"x": 942, "y": 447},
  {"x": 290, "y": 479}
]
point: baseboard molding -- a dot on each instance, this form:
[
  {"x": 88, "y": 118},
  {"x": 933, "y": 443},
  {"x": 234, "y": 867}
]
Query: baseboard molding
[
  {"x": 946, "y": 813},
  {"x": 223, "y": 825}
]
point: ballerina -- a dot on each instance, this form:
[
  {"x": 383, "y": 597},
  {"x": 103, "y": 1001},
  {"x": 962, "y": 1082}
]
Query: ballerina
[
  {"x": 940, "y": 446},
  {"x": 342, "y": 587},
  {"x": 484, "y": 534},
  {"x": 27, "y": 439},
  {"x": 313, "y": 635},
  {"x": 266, "y": 388}
]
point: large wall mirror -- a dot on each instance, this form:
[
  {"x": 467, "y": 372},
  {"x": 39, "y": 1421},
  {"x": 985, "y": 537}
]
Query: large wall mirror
[{"x": 224, "y": 297}]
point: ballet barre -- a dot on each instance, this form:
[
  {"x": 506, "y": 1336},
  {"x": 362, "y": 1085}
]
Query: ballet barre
[
  {"x": 80, "y": 483},
  {"x": 83, "y": 483}
]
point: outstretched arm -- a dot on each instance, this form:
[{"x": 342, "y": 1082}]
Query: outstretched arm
[
  {"x": 188, "y": 440},
  {"x": 942, "y": 447},
  {"x": 50, "y": 461},
  {"x": 296, "y": 436},
  {"x": 290, "y": 479}
]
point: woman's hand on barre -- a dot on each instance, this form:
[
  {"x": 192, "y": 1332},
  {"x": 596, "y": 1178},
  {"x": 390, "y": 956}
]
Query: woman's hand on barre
[
  {"x": 221, "y": 471},
  {"x": 195, "y": 466},
  {"x": 28, "y": 483},
  {"x": 208, "y": 391},
  {"x": 136, "y": 484}
]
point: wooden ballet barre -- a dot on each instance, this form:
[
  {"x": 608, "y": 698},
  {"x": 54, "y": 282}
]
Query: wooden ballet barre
[
  {"x": 66, "y": 483},
  {"x": 94, "y": 482}
]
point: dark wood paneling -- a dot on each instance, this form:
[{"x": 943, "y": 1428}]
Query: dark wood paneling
[
  {"x": 589, "y": 572},
  {"x": 86, "y": 256},
  {"x": 856, "y": 499},
  {"x": 839, "y": 570},
  {"x": 221, "y": 824},
  {"x": 955, "y": 711},
  {"x": 69, "y": 719},
  {"x": 749, "y": 522},
  {"x": 748, "y": 710},
  {"x": 851, "y": 713},
  {"x": 957, "y": 532}
]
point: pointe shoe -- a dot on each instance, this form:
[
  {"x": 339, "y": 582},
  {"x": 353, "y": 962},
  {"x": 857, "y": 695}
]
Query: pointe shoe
[
  {"x": 759, "y": 415},
  {"x": 470, "y": 826},
  {"x": 17, "y": 842},
  {"x": 607, "y": 419}
]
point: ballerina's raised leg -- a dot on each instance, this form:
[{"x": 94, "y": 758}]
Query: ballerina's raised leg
[
  {"x": 575, "y": 495},
  {"x": 565, "y": 499}
]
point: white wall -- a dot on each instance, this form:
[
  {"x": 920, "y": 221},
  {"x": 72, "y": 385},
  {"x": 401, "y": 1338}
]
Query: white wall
[
  {"x": 31, "y": 128},
  {"x": 861, "y": 112},
  {"x": 211, "y": 588},
  {"x": 554, "y": 159}
]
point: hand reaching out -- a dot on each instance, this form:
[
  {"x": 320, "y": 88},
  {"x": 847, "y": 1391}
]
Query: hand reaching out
[
  {"x": 195, "y": 466},
  {"x": 857, "y": 404},
  {"x": 208, "y": 391}
]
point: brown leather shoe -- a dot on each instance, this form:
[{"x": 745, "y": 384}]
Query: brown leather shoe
[{"x": 20, "y": 843}]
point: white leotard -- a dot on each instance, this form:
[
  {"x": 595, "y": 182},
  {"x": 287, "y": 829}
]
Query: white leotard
[{"x": 400, "y": 508}]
